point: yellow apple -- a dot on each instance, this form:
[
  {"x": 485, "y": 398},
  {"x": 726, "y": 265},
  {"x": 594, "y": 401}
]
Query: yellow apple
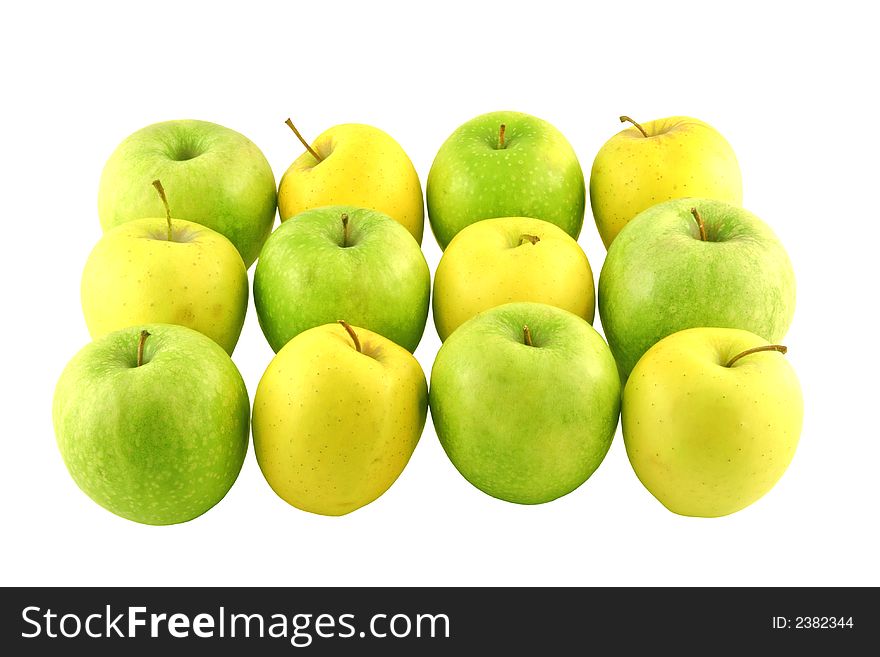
[
  {"x": 167, "y": 271},
  {"x": 711, "y": 419},
  {"x": 658, "y": 161},
  {"x": 354, "y": 164},
  {"x": 498, "y": 261},
  {"x": 337, "y": 416}
]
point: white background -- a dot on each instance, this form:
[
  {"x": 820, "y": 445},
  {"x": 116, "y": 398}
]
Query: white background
[{"x": 789, "y": 85}]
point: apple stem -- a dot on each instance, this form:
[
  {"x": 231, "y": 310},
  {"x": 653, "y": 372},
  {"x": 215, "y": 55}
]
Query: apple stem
[
  {"x": 501, "y": 131},
  {"x": 703, "y": 235},
  {"x": 626, "y": 119},
  {"x": 352, "y": 334},
  {"x": 303, "y": 141},
  {"x": 532, "y": 239},
  {"x": 767, "y": 347},
  {"x": 527, "y": 336},
  {"x": 144, "y": 335},
  {"x": 158, "y": 185},
  {"x": 344, "y": 229}
]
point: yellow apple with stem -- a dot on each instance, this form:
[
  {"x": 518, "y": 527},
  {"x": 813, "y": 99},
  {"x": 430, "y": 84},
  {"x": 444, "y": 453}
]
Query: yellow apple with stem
[
  {"x": 711, "y": 419},
  {"x": 337, "y": 416},
  {"x": 169, "y": 271},
  {"x": 354, "y": 164},
  {"x": 498, "y": 261},
  {"x": 648, "y": 163}
]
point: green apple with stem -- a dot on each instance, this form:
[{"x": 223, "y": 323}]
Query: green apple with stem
[
  {"x": 342, "y": 261},
  {"x": 359, "y": 410},
  {"x": 711, "y": 419},
  {"x": 215, "y": 177},
  {"x": 498, "y": 261},
  {"x": 657, "y": 161},
  {"x": 152, "y": 422},
  {"x": 168, "y": 271},
  {"x": 525, "y": 400},
  {"x": 689, "y": 263},
  {"x": 505, "y": 164}
]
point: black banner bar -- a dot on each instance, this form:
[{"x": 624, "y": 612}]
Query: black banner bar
[{"x": 436, "y": 621}]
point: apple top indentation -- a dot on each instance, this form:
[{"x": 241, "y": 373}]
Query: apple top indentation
[
  {"x": 185, "y": 152},
  {"x": 179, "y": 235},
  {"x": 369, "y": 349}
]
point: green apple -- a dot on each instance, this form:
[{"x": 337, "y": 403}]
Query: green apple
[
  {"x": 354, "y": 164},
  {"x": 525, "y": 400},
  {"x": 152, "y": 422},
  {"x": 711, "y": 419},
  {"x": 337, "y": 416},
  {"x": 215, "y": 177},
  {"x": 660, "y": 160},
  {"x": 498, "y": 261},
  {"x": 689, "y": 263},
  {"x": 165, "y": 271},
  {"x": 342, "y": 262},
  {"x": 505, "y": 164}
]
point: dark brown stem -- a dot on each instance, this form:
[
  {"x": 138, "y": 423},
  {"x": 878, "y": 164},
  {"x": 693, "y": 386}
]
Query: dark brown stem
[
  {"x": 158, "y": 185},
  {"x": 352, "y": 334},
  {"x": 344, "y": 229},
  {"x": 527, "y": 336},
  {"x": 144, "y": 335},
  {"x": 626, "y": 119},
  {"x": 303, "y": 141},
  {"x": 754, "y": 350},
  {"x": 703, "y": 235},
  {"x": 501, "y": 131},
  {"x": 534, "y": 239}
]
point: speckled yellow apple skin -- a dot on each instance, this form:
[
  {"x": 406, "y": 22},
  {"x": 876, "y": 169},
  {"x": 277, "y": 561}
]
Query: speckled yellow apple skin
[
  {"x": 681, "y": 157},
  {"x": 707, "y": 440},
  {"x": 361, "y": 166},
  {"x": 334, "y": 428},
  {"x": 134, "y": 275},
  {"x": 491, "y": 263}
]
